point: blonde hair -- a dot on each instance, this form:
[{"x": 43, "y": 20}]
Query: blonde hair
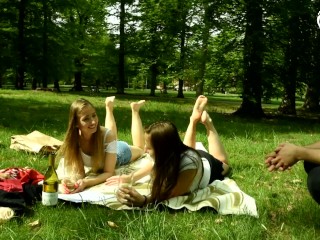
[{"x": 70, "y": 149}]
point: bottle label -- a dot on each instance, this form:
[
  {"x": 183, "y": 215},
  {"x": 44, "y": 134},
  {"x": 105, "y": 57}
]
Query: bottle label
[{"x": 49, "y": 199}]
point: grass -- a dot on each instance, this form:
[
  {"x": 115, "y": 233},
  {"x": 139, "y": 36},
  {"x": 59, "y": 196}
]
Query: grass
[{"x": 286, "y": 210}]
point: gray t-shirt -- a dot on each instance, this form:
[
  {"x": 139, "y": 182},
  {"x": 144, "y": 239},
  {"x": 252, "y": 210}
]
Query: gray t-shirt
[{"x": 191, "y": 160}]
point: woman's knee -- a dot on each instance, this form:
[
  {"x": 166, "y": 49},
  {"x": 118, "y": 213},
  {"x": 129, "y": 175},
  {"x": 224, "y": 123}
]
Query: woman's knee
[
  {"x": 136, "y": 152},
  {"x": 308, "y": 166},
  {"x": 313, "y": 182}
]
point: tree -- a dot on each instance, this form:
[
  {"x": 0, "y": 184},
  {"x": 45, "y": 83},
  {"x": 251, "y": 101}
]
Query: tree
[
  {"x": 253, "y": 59},
  {"x": 21, "y": 56},
  {"x": 121, "y": 80},
  {"x": 296, "y": 51},
  {"x": 312, "y": 97}
]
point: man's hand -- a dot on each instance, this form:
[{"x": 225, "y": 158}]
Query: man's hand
[{"x": 284, "y": 156}]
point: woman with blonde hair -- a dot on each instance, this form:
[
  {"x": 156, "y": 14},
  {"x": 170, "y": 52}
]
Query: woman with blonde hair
[
  {"x": 87, "y": 146},
  {"x": 90, "y": 148}
]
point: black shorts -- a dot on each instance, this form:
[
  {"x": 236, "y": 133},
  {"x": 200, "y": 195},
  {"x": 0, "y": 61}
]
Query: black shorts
[{"x": 215, "y": 165}]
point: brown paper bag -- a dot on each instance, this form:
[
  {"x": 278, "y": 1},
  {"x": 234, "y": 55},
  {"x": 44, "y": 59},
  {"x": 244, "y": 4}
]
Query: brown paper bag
[{"x": 35, "y": 142}]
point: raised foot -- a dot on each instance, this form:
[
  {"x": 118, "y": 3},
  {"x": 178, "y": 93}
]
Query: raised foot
[
  {"x": 199, "y": 107},
  {"x": 135, "y": 106},
  {"x": 109, "y": 101}
]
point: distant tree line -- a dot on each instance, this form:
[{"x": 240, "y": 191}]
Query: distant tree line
[{"x": 258, "y": 49}]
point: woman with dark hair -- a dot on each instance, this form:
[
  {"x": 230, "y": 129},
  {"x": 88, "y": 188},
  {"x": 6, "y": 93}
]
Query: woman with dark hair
[{"x": 178, "y": 167}]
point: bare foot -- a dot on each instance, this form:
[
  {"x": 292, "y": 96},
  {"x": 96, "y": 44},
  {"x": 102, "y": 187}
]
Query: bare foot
[
  {"x": 207, "y": 121},
  {"x": 135, "y": 106},
  {"x": 198, "y": 107},
  {"x": 205, "y": 118},
  {"x": 110, "y": 102}
]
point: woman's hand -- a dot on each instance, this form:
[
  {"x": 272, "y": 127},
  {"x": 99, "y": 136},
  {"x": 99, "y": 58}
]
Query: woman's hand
[
  {"x": 115, "y": 180},
  {"x": 81, "y": 186},
  {"x": 130, "y": 197}
]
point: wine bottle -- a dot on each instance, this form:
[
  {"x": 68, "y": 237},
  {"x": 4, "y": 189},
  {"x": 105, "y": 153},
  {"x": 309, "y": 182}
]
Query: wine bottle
[{"x": 50, "y": 184}]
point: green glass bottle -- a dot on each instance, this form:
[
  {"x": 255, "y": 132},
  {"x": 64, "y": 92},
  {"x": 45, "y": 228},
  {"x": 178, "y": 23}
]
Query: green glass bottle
[{"x": 50, "y": 184}]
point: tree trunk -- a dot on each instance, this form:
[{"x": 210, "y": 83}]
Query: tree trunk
[
  {"x": 312, "y": 99},
  {"x": 289, "y": 75},
  {"x": 21, "y": 46},
  {"x": 253, "y": 59},
  {"x": 34, "y": 83},
  {"x": 77, "y": 81},
  {"x": 154, "y": 74},
  {"x": 56, "y": 86},
  {"x": 121, "y": 67},
  {"x": 164, "y": 88},
  {"x": 204, "y": 48},
  {"x": 45, "y": 45},
  {"x": 182, "y": 19}
]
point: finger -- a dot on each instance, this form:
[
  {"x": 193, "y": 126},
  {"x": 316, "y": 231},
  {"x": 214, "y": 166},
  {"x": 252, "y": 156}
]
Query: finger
[
  {"x": 126, "y": 189},
  {"x": 65, "y": 190},
  {"x": 279, "y": 164},
  {"x": 112, "y": 181},
  {"x": 284, "y": 167},
  {"x": 268, "y": 160},
  {"x": 275, "y": 160},
  {"x": 271, "y": 168}
]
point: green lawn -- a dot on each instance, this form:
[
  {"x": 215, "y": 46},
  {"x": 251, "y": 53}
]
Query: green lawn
[{"x": 286, "y": 210}]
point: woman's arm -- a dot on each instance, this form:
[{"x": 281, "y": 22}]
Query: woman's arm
[
  {"x": 109, "y": 168},
  {"x": 110, "y": 158},
  {"x": 184, "y": 182},
  {"x": 138, "y": 174},
  {"x": 130, "y": 197}
]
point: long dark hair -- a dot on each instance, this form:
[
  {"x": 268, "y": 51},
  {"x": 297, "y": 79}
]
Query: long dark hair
[{"x": 168, "y": 147}]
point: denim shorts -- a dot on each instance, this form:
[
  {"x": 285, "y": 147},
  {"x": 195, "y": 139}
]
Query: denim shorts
[{"x": 123, "y": 153}]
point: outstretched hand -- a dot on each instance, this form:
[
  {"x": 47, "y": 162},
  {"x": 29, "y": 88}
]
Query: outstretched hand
[
  {"x": 130, "y": 197},
  {"x": 284, "y": 156},
  {"x": 116, "y": 180}
]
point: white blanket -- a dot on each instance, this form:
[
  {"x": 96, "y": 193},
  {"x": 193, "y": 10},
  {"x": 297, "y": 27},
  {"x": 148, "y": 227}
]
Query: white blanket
[{"x": 225, "y": 196}]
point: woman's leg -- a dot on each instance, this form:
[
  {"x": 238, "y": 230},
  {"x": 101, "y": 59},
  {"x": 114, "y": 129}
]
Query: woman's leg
[
  {"x": 313, "y": 180},
  {"x": 190, "y": 136},
  {"x": 137, "y": 131},
  {"x": 216, "y": 148},
  {"x": 110, "y": 122}
]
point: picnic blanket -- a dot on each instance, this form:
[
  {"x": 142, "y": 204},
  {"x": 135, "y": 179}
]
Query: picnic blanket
[
  {"x": 224, "y": 197},
  {"x": 35, "y": 142}
]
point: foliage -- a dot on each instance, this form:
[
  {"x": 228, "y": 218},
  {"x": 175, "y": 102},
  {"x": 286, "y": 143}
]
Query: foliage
[{"x": 199, "y": 43}]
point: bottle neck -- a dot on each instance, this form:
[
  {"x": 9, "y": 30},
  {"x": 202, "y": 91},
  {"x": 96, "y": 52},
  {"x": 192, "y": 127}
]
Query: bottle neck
[{"x": 51, "y": 160}]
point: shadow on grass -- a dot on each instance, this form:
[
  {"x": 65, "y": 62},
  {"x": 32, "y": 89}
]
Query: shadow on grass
[{"x": 21, "y": 116}]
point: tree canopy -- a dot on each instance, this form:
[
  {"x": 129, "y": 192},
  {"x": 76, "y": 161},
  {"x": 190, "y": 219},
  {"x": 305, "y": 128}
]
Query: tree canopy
[{"x": 257, "y": 49}]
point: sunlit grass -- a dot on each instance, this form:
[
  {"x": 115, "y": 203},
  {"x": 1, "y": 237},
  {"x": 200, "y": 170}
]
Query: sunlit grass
[{"x": 286, "y": 210}]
